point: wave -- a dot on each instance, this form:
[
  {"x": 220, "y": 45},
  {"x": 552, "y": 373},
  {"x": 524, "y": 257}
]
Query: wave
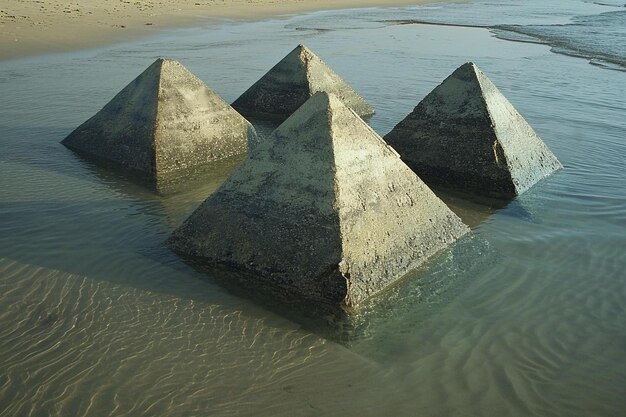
[{"x": 597, "y": 38}]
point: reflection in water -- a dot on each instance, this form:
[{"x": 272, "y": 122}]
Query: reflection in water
[
  {"x": 209, "y": 175},
  {"x": 79, "y": 346},
  {"x": 471, "y": 210},
  {"x": 524, "y": 317},
  {"x": 433, "y": 284}
]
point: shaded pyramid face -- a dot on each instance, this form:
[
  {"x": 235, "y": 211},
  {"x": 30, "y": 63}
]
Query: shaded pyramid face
[
  {"x": 291, "y": 82},
  {"x": 164, "y": 121},
  {"x": 466, "y": 135},
  {"x": 324, "y": 209}
]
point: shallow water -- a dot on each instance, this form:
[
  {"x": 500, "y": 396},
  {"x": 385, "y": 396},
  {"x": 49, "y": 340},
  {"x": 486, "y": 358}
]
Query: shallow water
[
  {"x": 588, "y": 29},
  {"x": 526, "y": 317}
]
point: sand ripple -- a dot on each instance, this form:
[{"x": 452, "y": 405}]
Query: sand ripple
[{"x": 76, "y": 346}]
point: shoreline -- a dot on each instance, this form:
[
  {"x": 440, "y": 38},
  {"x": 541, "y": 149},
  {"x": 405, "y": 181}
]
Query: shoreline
[{"x": 32, "y": 27}]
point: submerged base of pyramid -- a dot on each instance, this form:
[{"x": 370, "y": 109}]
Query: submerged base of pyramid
[
  {"x": 164, "y": 122},
  {"x": 199, "y": 179},
  {"x": 466, "y": 136},
  {"x": 323, "y": 210}
]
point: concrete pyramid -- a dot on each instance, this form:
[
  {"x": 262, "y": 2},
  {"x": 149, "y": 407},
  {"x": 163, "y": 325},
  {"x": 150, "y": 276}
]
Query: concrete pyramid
[
  {"x": 163, "y": 121},
  {"x": 291, "y": 82},
  {"x": 466, "y": 135},
  {"x": 323, "y": 209}
]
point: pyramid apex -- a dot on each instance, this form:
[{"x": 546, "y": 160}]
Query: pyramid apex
[
  {"x": 320, "y": 102},
  {"x": 331, "y": 100},
  {"x": 305, "y": 54},
  {"x": 161, "y": 60},
  {"x": 291, "y": 82},
  {"x": 297, "y": 51},
  {"x": 170, "y": 62},
  {"x": 317, "y": 107},
  {"x": 466, "y": 71},
  {"x": 322, "y": 95},
  {"x": 156, "y": 64}
]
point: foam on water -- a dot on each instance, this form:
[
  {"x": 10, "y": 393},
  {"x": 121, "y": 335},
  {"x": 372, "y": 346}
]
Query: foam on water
[
  {"x": 597, "y": 37},
  {"x": 526, "y": 317},
  {"x": 592, "y": 30}
]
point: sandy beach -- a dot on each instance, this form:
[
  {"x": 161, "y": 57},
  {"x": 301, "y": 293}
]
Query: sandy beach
[{"x": 30, "y": 27}]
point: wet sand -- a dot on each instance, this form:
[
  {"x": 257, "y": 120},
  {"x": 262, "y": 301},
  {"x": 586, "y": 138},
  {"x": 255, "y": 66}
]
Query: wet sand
[{"x": 30, "y": 27}]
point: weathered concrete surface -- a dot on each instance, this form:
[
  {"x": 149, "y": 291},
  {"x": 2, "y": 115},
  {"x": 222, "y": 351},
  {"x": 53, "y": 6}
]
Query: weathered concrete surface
[
  {"x": 323, "y": 209},
  {"x": 466, "y": 135},
  {"x": 291, "y": 82},
  {"x": 163, "y": 121}
]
